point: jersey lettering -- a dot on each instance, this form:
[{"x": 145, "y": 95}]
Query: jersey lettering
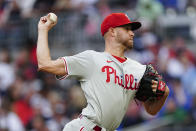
[
  {"x": 130, "y": 81},
  {"x": 109, "y": 71}
]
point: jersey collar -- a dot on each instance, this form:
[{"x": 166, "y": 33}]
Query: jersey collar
[{"x": 121, "y": 60}]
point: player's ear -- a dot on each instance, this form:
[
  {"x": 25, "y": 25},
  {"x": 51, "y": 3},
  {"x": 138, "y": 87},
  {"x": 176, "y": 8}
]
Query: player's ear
[{"x": 112, "y": 31}]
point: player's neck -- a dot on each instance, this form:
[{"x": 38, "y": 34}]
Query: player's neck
[{"x": 115, "y": 49}]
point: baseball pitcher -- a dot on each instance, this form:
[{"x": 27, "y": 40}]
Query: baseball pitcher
[{"x": 108, "y": 79}]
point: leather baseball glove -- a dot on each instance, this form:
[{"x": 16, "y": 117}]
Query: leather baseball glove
[{"x": 145, "y": 91}]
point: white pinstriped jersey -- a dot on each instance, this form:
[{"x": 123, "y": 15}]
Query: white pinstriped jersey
[{"x": 108, "y": 85}]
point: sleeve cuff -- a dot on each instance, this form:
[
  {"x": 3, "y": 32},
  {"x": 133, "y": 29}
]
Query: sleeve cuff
[{"x": 61, "y": 77}]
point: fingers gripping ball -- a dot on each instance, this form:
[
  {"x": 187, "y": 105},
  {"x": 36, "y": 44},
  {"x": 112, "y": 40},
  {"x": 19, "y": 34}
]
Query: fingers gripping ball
[
  {"x": 53, "y": 17},
  {"x": 145, "y": 91}
]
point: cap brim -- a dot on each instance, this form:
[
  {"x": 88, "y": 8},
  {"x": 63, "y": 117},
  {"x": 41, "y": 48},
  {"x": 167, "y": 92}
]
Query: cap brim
[{"x": 135, "y": 25}]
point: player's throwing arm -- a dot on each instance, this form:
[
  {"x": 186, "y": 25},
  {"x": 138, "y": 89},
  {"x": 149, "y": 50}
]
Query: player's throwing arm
[{"x": 45, "y": 63}]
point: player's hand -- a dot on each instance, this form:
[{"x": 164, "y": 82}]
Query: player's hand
[{"x": 45, "y": 23}]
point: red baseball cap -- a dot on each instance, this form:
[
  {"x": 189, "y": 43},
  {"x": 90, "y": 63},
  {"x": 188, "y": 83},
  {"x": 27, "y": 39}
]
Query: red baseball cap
[{"x": 117, "y": 19}]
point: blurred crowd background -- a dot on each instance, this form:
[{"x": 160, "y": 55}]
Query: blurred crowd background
[{"x": 36, "y": 101}]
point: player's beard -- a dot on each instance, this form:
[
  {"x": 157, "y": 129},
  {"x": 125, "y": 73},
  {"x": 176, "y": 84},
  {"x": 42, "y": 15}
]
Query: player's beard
[{"x": 128, "y": 44}]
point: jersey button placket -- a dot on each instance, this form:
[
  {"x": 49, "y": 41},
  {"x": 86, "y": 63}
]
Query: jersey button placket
[{"x": 124, "y": 72}]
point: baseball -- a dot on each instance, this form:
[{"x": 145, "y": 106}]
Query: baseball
[{"x": 53, "y": 17}]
